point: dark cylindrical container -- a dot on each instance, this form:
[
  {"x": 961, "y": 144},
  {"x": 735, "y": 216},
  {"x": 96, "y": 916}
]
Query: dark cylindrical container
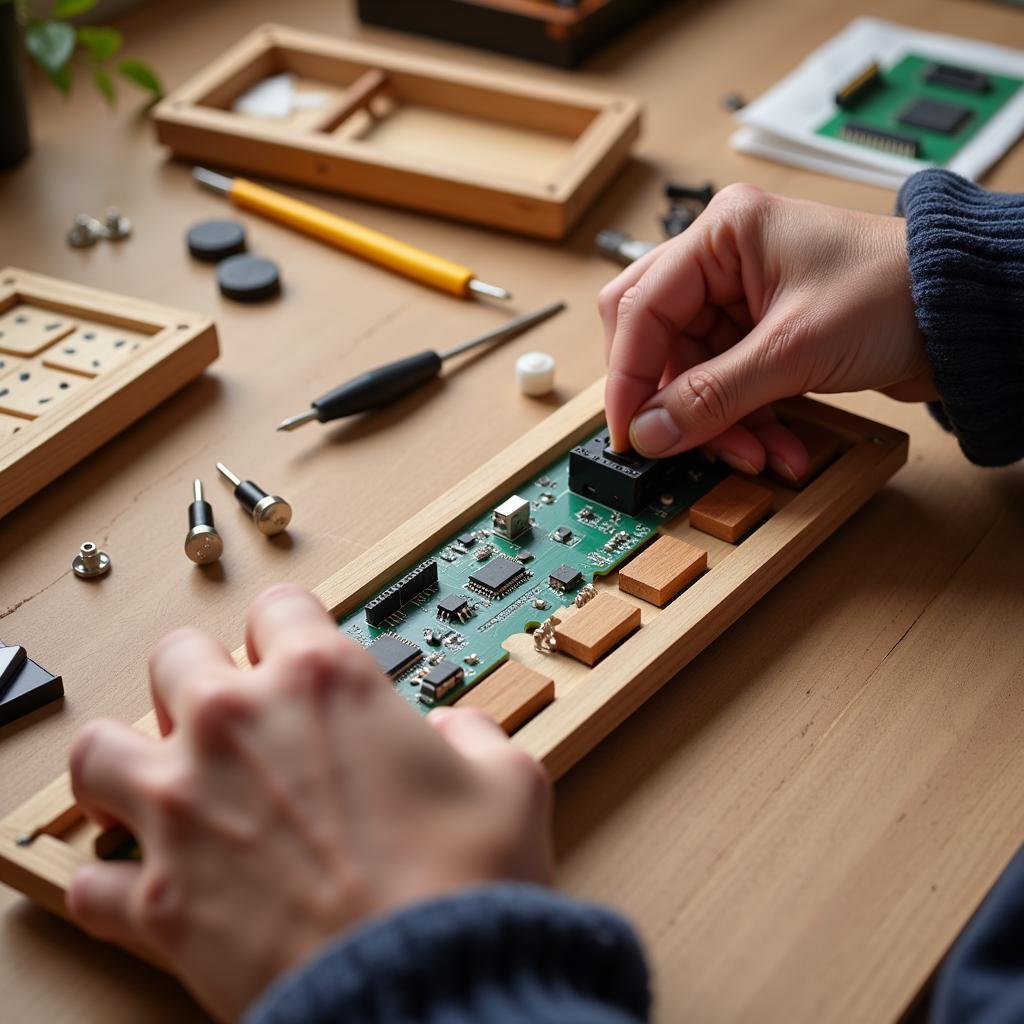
[{"x": 14, "y": 142}]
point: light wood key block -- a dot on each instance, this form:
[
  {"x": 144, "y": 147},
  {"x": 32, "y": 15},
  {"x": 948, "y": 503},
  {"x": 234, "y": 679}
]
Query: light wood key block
[
  {"x": 731, "y": 509},
  {"x": 596, "y": 628},
  {"x": 511, "y": 695},
  {"x": 662, "y": 570}
]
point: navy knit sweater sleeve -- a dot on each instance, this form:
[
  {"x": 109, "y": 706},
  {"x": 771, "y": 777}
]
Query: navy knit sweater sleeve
[
  {"x": 504, "y": 954},
  {"x": 966, "y": 248}
]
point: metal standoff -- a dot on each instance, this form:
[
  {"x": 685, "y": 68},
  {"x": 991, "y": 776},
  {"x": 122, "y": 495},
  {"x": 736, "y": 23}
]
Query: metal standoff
[{"x": 90, "y": 562}]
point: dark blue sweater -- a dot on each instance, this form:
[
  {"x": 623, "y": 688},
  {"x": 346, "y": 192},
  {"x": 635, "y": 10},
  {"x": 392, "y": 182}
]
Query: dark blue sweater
[{"x": 518, "y": 954}]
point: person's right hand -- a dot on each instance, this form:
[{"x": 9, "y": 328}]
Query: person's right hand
[{"x": 760, "y": 299}]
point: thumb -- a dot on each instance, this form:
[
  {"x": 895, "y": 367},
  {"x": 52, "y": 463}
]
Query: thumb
[{"x": 712, "y": 396}]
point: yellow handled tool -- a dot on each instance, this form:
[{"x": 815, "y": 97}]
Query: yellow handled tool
[{"x": 371, "y": 245}]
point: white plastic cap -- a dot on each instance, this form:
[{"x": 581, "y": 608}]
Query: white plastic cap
[{"x": 535, "y": 372}]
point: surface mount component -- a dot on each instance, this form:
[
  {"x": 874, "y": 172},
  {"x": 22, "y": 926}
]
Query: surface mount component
[
  {"x": 454, "y": 606},
  {"x": 564, "y": 578},
  {"x": 891, "y": 142},
  {"x": 410, "y": 586},
  {"x": 624, "y": 481},
  {"x": 935, "y": 116},
  {"x": 731, "y": 509},
  {"x": 498, "y": 577},
  {"x": 440, "y": 681},
  {"x": 857, "y": 88},
  {"x": 662, "y": 570},
  {"x": 393, "y": 654},
  {"x": 511, "y": 517},
  {"x": 958, "y": 78}
]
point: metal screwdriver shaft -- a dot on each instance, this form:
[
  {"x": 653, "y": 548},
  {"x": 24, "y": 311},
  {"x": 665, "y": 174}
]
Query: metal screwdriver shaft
[{"x": 386, "y": 383}]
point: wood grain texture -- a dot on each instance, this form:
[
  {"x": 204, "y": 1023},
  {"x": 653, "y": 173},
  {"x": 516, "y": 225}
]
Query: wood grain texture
[
  {"x": 71, "y": 408},
  {"x": 731, "y": 509},
  {"x": 511, "y": 695},
  {"x": 596, "y": 628},
  {"x": 774, "y": 714},
  {"x": 662, "y": 570},
  {"x": 196, "y": 122}
]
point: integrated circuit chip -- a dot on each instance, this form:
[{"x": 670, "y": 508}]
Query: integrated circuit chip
[
  {"x": 393, "y": 654},
  {"x": 563, "y": 535},
  {"x": 958, "y": 78},
  {"x": 565, "y": 577},
  {"x": 454, "y": 606},
  {"x": 935, "y": 116},
  {"x": 498, "y": 576}
]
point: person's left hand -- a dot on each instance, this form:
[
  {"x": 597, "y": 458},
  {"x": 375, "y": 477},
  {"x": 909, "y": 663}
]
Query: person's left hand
[{"x": 288, "y": 803}]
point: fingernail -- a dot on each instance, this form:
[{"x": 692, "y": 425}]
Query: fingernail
[
  {"x": 653, "y": 432},
  {"x": 731, "y": 459},
  {"x": 782, "y": 468}
]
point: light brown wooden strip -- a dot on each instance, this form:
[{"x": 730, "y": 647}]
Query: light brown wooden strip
[
  {"x": 596, "y": 628},
  {"x": 731, "y": 508},
  {"x": 511, "y": 695},
  {"x": 662, "y": 570}
]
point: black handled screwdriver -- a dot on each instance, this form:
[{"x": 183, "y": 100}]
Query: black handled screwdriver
[{"x": 386, "y": 383}]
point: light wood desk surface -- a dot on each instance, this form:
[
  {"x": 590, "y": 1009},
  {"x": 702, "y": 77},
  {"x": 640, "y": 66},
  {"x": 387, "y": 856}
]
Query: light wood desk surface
[{"x": 803, "y": 821}]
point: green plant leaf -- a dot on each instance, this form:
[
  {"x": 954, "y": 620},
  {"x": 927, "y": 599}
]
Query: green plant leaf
[
  {"x": 51, "y": 44},
  {"x": 102, "y": 43},
  {"x": 141, "y": 74},
  {"x": 69, "y": 8},
  {"x": 105, "y": 84}
]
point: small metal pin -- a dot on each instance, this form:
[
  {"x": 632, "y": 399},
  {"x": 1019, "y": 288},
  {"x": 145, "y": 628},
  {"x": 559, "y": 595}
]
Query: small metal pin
[
  {"x": 270, "y": 513},
  {"x": 203, "y": 544},
  {"x": 90, "y": 562}
]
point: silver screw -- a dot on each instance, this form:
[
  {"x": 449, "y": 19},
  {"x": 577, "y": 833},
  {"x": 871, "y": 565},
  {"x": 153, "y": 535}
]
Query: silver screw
[
  {"x": 85, "y": 231},
  {"x": 90, "y": 562},
  {"x": 117, "y": 225}
]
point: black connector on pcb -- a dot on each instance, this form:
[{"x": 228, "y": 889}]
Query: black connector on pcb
[
  {"x": 389, "y": 601},
  {"x": 624, "y": 481}
]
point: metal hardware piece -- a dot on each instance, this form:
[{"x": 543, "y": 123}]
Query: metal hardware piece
[
  {"x": 270, "y": 513},
  {"x": 203, "y": 544},
  {"x": 116, "y": 225},
  {"x": 85, "y": 232},
  {"x": 90, "y": 562}
]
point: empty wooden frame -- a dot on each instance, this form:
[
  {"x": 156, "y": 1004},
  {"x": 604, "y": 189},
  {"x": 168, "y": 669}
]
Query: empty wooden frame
[
  {"x": 79, "y": 365},
  {"x": 496, "y": 149},
  {"x": 44, "y": 840}
]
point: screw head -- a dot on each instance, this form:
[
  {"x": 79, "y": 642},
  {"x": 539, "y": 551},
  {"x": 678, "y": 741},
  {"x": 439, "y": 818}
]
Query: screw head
[
  {"x": 85, "y": 231},
  {"x": 272, "y": 515},
  {"x": 90, "y": 562},
  {"x": 203, "y": 545}
]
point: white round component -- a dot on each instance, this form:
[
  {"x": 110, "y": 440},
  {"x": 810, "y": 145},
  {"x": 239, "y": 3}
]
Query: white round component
[{"x": 535, "y": 372}]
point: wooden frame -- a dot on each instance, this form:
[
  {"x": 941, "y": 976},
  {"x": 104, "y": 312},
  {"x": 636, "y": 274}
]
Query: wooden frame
[
  {"x": 175, "y": 348},
  {"x": 44, "y": 840},
  {"x": 375, "y": 138}
]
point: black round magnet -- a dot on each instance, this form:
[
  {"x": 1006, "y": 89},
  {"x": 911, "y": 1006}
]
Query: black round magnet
[
  {"x": 215, "y": 240},
  {"x": 248, "y": 278}
]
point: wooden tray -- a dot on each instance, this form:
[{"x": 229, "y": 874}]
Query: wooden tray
[
  {"x": 543, "y": 30},
  {"x": 495, "y": 149},
  {"x": 44, "y": 840},
  {"x": 77, "y": 366}
]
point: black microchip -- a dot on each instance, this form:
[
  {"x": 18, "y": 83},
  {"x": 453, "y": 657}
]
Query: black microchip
[
  {"x": 467, "y": 540},
  {"x": 394, "y": 655},
  {"x": 440, "y": 680},
  {"x": 563, "y": 535},
  {"x": 935, "y": 116},
  {"x": 958, "y": 78},
  {"x": 453, "y": 605},
  {"x": 565, "y": 577},
  {"x": 498, "y": 576}
]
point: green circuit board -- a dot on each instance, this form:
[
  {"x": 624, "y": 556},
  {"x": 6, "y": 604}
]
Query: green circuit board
[
  {"x": 600, "y": 540},
  {"x": 883, "y": 106}
]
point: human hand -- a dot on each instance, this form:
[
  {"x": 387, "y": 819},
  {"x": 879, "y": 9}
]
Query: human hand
[
  {"x": 289, "y": 803},
  {"x": 761, "y": 298}
]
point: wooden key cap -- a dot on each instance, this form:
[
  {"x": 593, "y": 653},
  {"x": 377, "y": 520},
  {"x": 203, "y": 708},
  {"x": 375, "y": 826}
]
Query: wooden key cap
[
  {"x": 662, "y": 570},
  {"x": 732, "y": 508},
  {"x": 511, "y": 695},
  {"x": 596, "y": 628}
]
